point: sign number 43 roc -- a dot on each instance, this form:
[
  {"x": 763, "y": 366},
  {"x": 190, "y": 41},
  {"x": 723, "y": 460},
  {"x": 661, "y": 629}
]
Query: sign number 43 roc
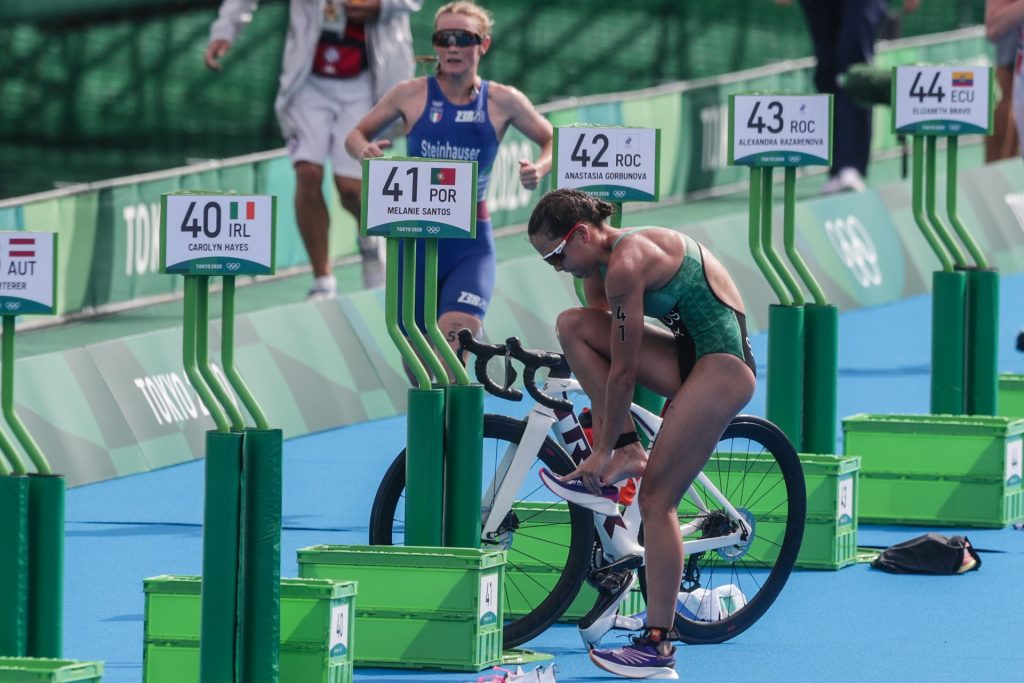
[{"x": 775, "y": 129}]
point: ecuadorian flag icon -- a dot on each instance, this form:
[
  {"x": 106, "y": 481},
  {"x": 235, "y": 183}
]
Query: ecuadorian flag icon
[{"x": 963, "y": 79}]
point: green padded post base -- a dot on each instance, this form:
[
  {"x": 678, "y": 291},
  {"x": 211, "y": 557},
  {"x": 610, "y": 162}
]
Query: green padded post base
[
  {"x": 786, "y": 369},
  {"x": 463, "y": 472},
  {"x": 982, "y": 391},
  {"x": 14, "y": 565},
  {"x": 949, "y": 294},
  {"x": 424, "y": 468},
  {"x": 260, "y": 590},
  {"x": 46, "y": 565},
  {"x": 218, "y": 642},
  {"x": 821, "y": 367}
]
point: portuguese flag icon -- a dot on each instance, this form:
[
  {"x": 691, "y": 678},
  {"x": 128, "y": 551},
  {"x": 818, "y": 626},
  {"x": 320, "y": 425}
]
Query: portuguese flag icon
[{"x": 442, "y": 176}]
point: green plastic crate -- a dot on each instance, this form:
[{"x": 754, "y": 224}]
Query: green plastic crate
[
  {"x": 316, "y": 630},
  {"x": 938, "y": 470},
  {"x": 1011, "y": 395},
  {"x": 433, "y": 608},
  {"x": 533, "y": 563},
  {"x": 38, "y": 670},
  {"x": 830, "y": 528}
]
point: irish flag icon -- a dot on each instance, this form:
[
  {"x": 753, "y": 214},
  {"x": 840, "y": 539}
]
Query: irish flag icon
[
  {"x": 442, "y": 176},
  {"x": 248, "y": 207}
]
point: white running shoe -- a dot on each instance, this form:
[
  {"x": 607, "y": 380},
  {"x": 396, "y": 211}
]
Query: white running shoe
[
  {"x": 323, "y": 289},
  {"x": 847, "y": 180}
]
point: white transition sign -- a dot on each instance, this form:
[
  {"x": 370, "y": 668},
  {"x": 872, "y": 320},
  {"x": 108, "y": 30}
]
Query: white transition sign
[
  {"x": 217, "y": 234},
  {"x": 405, "y": 197},
  {"x": 614, "y": 164},
  {"x": 942, "y": 100},
  {"x": 780, "y": 130},
  {"x": 28, "y": 272}
]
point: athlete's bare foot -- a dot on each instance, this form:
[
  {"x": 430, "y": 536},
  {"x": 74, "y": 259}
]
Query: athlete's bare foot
[{"x": 628, "y": 461}]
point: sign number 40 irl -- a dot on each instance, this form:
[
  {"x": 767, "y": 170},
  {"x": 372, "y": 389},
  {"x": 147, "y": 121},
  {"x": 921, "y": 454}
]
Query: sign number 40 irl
[{"x": 220, "y": 234}]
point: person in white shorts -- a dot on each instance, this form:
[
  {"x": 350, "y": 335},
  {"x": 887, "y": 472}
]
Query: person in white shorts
[
  {"x": 1003, "y": 18},
  {"x": 339, "y": 58}
]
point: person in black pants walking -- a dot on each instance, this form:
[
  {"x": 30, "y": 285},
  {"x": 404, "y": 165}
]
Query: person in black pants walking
[{"x": 843, "y": 34}]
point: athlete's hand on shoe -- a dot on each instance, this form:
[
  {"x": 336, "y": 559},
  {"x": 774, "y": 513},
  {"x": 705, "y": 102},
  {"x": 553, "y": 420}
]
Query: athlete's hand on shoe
[
  {"x": 375, "y": 149},
  {"x": 590, "y": 471}
]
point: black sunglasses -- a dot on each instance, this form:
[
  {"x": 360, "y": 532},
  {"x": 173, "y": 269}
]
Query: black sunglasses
[{"x": 457, "y": 37}]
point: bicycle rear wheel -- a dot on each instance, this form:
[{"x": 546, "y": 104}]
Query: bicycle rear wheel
[
  {"x": 724, "y": 591},
  {"x": 549, "y": 543}
]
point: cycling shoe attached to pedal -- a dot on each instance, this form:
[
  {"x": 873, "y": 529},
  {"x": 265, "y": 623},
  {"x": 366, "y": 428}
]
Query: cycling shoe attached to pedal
[
  {"x": 604, "y": 616},
  {"x": 576, "y": 493}
]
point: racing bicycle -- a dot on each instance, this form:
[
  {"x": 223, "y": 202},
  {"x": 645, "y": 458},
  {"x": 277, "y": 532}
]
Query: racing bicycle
[{"x": 742, "y": 520}]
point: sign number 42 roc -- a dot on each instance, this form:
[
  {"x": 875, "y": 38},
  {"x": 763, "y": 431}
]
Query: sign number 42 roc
[{"x": 615, "y": 164}]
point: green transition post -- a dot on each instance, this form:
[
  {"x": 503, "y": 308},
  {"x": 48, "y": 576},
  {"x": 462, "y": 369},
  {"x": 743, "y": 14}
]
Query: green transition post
[
  {"x": 785, "y": 399},
  {"x": 32, "y": 544},
  {"x": 259, "y": 612},
  {"x": 259, "y": 568},
  {"x": 227, "y": 355},
  {"x": 982, "y": 343},
  {"x": 45, "y": 528},
  {"x": 218, "y": 635},
  {"x": 767, "y": 131},
  {"x": 406, "y": 199},
  {"x": 424, "y": 463},
  {"x": 821, "y": 342},
  {"x": 14, "y": 564},
  {"x": 464, "y": 426},
  {"x": 205, "y": 234},
  {"x": 14, "y": 540},
  {"x": 963, "y": 367},
  {"x": 949, "y": 292}
]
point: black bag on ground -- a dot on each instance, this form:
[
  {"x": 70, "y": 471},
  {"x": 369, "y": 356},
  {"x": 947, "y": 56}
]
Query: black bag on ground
[{"x": 929, "y": 554}]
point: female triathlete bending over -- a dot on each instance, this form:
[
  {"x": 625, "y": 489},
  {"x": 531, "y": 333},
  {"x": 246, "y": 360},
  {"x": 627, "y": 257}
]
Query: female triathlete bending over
[{"x": 702, "y": 362}]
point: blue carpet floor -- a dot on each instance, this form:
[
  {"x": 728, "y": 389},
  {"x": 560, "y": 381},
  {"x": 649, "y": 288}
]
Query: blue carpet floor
[{"x": 856, "y": 624}]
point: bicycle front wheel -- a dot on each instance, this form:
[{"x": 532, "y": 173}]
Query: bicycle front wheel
[
  {"x": 548, "y": 543},
  {"x": 724, "y": 591}
]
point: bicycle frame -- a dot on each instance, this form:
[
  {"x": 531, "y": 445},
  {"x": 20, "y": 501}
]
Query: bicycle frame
[{"x": 618, "y": 533}]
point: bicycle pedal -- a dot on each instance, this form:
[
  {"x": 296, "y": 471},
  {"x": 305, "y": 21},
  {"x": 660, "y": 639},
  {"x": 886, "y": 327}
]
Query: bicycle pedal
[{"x": 610, "y": 576}]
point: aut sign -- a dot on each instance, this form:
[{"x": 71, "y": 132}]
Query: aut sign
[
  {"x": 28, "y": 272},
  {"x": 217, "y": 234}
]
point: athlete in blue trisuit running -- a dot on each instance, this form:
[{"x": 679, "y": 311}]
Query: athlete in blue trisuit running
[
  {"x": 457, "y": 115},
  {"x": 702, "y": 362}
]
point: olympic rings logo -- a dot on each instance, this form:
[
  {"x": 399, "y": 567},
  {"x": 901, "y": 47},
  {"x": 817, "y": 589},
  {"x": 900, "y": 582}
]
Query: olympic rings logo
[
  {"x": 856, "y": 249},
  {"x": 12, "y": 305},
  {"x": 234, "y": 265},
  {"x": 433, "y": 230},
  {"x": 619, "y": 194}
]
